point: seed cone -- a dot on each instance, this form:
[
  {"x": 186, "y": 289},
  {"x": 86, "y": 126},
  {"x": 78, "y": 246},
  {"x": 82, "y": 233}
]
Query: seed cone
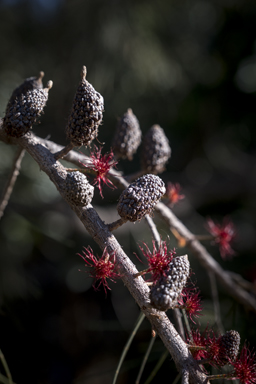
[
  {"x": 140, "y": 197},
  {"x": 23, "y": 111},
  {"x": 28, "y": 85},
  {"x": 229, "y": 343},
  {"x": 127, "y": 137},
  {"x": 155, "y": 150},
  {"x": 78, "y": 191},
  {"x": 165, "y": 292},
  {"x": 86, "y": 114}
]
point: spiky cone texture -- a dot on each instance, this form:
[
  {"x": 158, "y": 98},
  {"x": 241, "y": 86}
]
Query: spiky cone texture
[
  {"x": 77, "y": 190},
  {"x": 229, "y": 346},
  {"x": 140, "y": 197},
  {"x": 127, "y": 137},
  {"x": 165, "y": 293},
  {"x": 28, "y": 85},
  {"x": 24, "y": 110},
  {"x": 86, "y": 114},
  {"x": 156, "y": 150}
]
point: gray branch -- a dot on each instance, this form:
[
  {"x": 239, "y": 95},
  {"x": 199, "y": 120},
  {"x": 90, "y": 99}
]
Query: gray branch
[
  {"x": 205, "y": 259},
  {"x": 105, "y": 239}
]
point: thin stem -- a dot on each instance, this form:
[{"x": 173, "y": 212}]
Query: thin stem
[
  {"x": 178, "y": 322},
  {"x": 220, "y": 376},
  {"x": 64, "y": 151},
  {"x": 205, "y": 259},
  {"x": 75, "y": 170},
  {"x": 127, "y": 345},
  {"x": 141, "y": 273},
  {"x": 6, "y": 368},
  {"x": 216, "y": 304},
  {"x": 187, "y": 324},
  {"x": 196, "y": 348},
  {"x": 11, "y": 180},
  {"x": 151, "y": 343},
  {"x": 176, "y": 380},
  {"x": 157, "y": 367},
  {"x": 154, "y": 230},
  {"x": 116, "y": 224},
  {"x": 4, "y": 379}
]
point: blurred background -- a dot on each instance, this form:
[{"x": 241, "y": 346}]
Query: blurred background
[{"x": 189, "y": 66}]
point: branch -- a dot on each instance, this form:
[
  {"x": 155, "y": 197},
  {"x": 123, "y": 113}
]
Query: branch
[
  {"x": 206, "y": 260},
  {"x": 203, "y": 256},
  {"x": 11, "y": 181},
  {"x": 105, "y": 239}
]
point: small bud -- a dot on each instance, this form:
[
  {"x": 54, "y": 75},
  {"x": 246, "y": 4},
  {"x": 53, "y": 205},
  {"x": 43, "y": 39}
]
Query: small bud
[
  {"x": 155, "y": 150},
  {"x": 86, "y": 114},
  {"x": 165, "y": 293},
  {"x": 127, "y": 137},
  {"x": 140, "y": 197},
  {"x": 78, "y": 191}
]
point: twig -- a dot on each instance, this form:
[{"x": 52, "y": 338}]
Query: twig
[
  {"x": 220, "y": 376},
  {"x": 116, "y": 224},
  {"x": 127, "y": 345},
  {"x": 6, "y": 368},
  {"x": 242, "y": 282},
  {"x": 11, "y": 180},
  {"x": 154, "y": 230},
  {"x": 178, "y": 322},
  {"x": 187, "y": 324},
  {"x": 64, "y": 151},
  {"x": 157, "y": 367},
  {"x": 216, "y": 304},
  {"x": 195, "y": 246},
  {"x": 150, "y": 346},
  {"x": 4, "y": 379},
  {"x": 206, "y": 260},
  {"x": 105, "y": 239}
]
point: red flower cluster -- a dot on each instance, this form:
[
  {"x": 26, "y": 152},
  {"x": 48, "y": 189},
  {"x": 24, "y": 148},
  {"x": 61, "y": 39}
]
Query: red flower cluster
[
  {"x": 223, "y": 235},
  {"x": 199, "y": 340},
  {"x": 101, "y": 164},
  {"x": 173, "y": 193},
  {"x": 213, "y": 350},
  {"x": 208, "y": 346},
  {"x": 103, "y": 268},
  {"x": 191, "y": 302},
  {"x": 245, "y": 366},
  {"x": 158, "y": 260}
]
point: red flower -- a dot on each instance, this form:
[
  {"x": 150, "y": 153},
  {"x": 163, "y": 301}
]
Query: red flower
[
  {"x": 216, "y": 353},
  {"x": 101, "y": 164},
  {"x": 173, "y": 193},
  {"x": 223, "y": 235},
  {"x": 103, "y": 268},
  {"x": 191, "y": 302},
  {"x": 199, "y": 340},
  {"x": 158, "y": 260},
  {"x": 212, "y": 350},
  {"x": 245, "y": 366}
]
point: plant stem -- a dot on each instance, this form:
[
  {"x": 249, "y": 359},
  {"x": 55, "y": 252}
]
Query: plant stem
[
  {"x": 151, "y": 343},
  {"x": 11, "y": 181},
  {"x": 127, "y": 345},
  {"x": 6, "y": 368}
]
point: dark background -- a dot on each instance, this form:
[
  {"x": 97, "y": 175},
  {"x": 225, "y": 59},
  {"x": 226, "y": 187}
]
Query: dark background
[{"x": 189, "y": 66}]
